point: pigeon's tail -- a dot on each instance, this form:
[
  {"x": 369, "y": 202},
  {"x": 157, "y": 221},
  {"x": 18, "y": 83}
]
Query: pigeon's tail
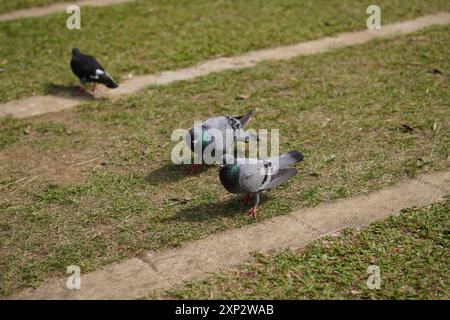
[
  {"x": 111, "y": 84},
  {"x": 245, "y": 118},
  {"x": 288, "y": 158},
  {"x": 108, "y": 81}
]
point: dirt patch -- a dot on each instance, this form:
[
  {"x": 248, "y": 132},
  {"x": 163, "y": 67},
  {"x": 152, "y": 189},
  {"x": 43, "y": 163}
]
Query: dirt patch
[
  {"x": 57, "y": 7},
  {"x": 30, "y": 161},
  {"x": 161, "y": 270},
  {"x": 68, "y": 168},
  {"x": 36, "y": 105}
]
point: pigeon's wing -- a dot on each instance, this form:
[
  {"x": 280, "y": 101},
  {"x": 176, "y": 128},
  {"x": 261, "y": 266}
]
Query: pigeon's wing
[
  {"x": 242, "y": 135},
  {"x": 220, "y": 123},
  {"x": 224, "y": 123},
  {"x": 101, "y": 76},
  {"x": 92, "y": 63},
  {"x": 280, "y": 177},
  {"x": 80, "y": 69},
  {"x": 252, "y": 176},
  {"x": 85, "y": 66},
  {"x": 98, "y": 73}
]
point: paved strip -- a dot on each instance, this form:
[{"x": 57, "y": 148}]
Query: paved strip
[
  {"x": 55, "y": 8},
  {"x": 163, "y": 269},
  {"x": 36, "y": 105}
]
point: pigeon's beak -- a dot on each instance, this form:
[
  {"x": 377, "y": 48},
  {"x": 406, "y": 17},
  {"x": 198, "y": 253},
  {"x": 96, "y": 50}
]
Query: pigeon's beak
[{"x": 221, "y": 166}]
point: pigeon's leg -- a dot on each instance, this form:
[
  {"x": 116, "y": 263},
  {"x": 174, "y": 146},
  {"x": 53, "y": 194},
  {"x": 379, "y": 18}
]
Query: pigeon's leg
[
  {"x": 195, "y": 164},
  {"x": 80, "y": 90},
  {"x": 246, "y": 199},
  {"x": 252, "y": 212},
  {"x": 193, "y": 167}
]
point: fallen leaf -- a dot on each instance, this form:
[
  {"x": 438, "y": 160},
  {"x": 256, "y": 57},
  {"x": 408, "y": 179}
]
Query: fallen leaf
[
  {"x": 180, "y": 200},
  {"x": 405, "y": 128},
  {"x": 331, "y": 158},
  {"x": 436, "y": 71},
  {"x": 243, "y": 97}
]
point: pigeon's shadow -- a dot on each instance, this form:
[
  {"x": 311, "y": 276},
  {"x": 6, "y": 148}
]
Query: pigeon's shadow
[
  {"x": 225, "y": 208},
  {"x": 170, "y": 172},
  {"x": 203, "y": 212},
  {"x": 64, "y": 91}
]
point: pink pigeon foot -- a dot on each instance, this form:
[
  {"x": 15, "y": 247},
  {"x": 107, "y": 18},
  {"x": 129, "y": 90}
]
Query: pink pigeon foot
[{"x": 252, "y": 212}]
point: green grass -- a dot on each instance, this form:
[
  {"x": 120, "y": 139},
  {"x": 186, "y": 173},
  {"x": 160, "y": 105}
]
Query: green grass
[
  {"x": 7, "y": 5},
  {"x": 35, "y": 53},
  {"x": 10, "y": 131},
  {"x": 411, "y": 251},
  {"x": 343, "y": 109}
]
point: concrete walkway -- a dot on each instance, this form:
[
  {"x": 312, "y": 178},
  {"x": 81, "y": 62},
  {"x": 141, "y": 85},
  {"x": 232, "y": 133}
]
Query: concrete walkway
[
  {"x": 163, "y": 269},
  {"x": 55, "y": 8},
  {"x": 36, "y": 105}
]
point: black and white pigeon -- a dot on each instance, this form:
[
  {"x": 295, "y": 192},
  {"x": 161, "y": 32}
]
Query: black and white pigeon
[
  {"x": 252, "y": 176},
  {"x": 204, "y": 135},
  {"x": 88, "y": 69}
]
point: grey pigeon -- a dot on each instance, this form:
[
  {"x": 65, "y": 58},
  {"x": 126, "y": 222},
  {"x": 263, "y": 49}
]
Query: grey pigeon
[
  {"x": 88, "y": 69},
  {"x": 203, "y": 136},
  {"x": 252, "y": 176}
]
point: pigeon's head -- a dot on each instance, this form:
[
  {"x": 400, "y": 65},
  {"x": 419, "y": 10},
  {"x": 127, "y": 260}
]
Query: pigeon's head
[
  {"x": 227, "y": 160},
  {"x": 76, "y": 51},
  {"x": 200, "y": 136}
]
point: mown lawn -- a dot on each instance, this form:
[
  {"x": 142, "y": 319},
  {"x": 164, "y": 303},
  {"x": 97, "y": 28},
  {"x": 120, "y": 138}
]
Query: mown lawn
[
  {"x": 95, "y": 184},
  {"x": 410, "y": 250},
  {"x": 155, "y": 35}
]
